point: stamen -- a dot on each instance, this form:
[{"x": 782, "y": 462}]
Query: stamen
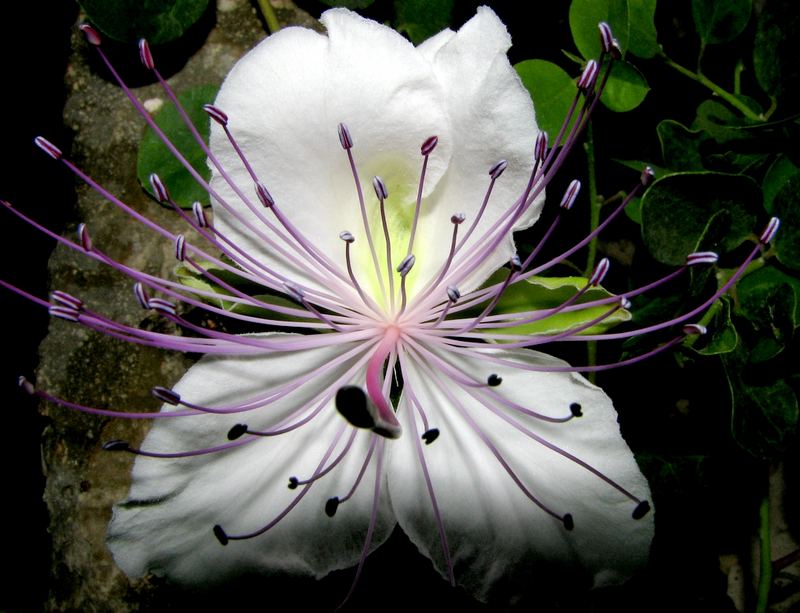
[
  {"x": 382, "y": 193},
  {"x": 426, "y": 149},
  {"x": 588, "y": 78},
  {"x": 217, "y": 114},
  {"x": 91, "y": 34},
  {"x": 84, "y": 238},
  {"x": 769, "y": 232},
  {"x": 540, "y": 147},
  {"x": 430, "y": 435},
  {"x": 166, "y": 395},
  {"x": 494, "y": 380},
  {"x": 404, "y": 268},
  {"x": 606, "y": 37},
  {"x": 145, "y": 55},
  {"x": 161, "y": 192},
  {"x": 571, "y": 193},
  {"x": 48, "y": 147},
  {"x": 180, "y": 247},
  {"x": 141, "y": 295},
  {"x": 200, "y": 215},
  {"x": 701, "y": 257},
  {"x": 498, "y": 169}
]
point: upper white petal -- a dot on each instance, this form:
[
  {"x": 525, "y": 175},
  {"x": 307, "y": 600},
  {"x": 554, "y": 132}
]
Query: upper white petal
[
  {"x": 165, "y": 526},
  {"x": 497, "y": 535}
]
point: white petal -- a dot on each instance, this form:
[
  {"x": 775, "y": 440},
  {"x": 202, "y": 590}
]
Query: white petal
[
  {"x": 166, "y": 524},
  {"x": 495, "y": 532},
  {"x": 285, "y": 100}
]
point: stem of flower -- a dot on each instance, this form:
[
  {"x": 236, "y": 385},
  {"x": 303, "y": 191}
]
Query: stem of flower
[
  {"x": 268, "y": 13},
  {"x": 595, "y": 203},
  {"x": 765, "y": 570},
  {"x": 706, "y": 82}
]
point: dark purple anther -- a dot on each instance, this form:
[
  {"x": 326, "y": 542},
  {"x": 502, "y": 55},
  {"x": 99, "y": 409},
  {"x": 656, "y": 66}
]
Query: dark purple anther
[
  {"x": 573, "y": 189},
  {"x": 380, "y": 188},
  {"x": 496, "y": 170},
  {"x": 589, "y": 76},
  {"x": 26, "y": 385},
  {"x": 237, "y": 431},
  {"x": 494, "y": 380},
  {"x": 219, "y": 533},
  {"x": 642, "y": 509},
  {"x": 429, "y": 145},
  {"x": 145, "y": 55},
  {"x": 600, "y": 272},
  {"x": 264, "y": 196},
  {"x": 430, "y": 435},
  {"x": 406, "y": 265},
  {"x": 453, "y": 294},
  {"x": 344, "y": 137},
  {"x": 67, "y": 300},
  {"x": 159, "y": 189},
  {"x": 694, "y": 330},
  {"x": 347, "y": 237},
  {"x": 162, "y": 306},
  {"x": 769, "y": 232},
  {"x": 64, "y": 312},
  {"x": 141, "y": 295},
  {"x": 569, "y": 523},
  {"x": 457, "y": 219},
  {"x": 606, "y": 37},
  {"x": 84, "y": 238},
  {"x": 90, "y": 33},
  {"x": 540, "y": 148},
  {"x": 648, "y": 176},
  {"x": 199, "y": 215},
  {"x": 165, "y": 394},
  {"x": 576, "y": 409},
  {"x": 180, "y": 247},
  {"x": 216, "y": 114},
  {"x": 331, "y": 505},
  {"x": 701, "y": 257},
  {"x": 48, "y": 147}
]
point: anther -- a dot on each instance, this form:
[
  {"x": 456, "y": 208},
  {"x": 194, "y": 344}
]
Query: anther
[
  {"x": 164, "y": 394},
  {"x": 162, "y": 306},
  {"x": 540, "y": 148},
  {"x": 48, "y": 147},
  {"x": 380, "y": 188},
  {"x": 293, "y": 481},
  {"x": 769, "y": 232},
  {"x": 606, "y": 37},
  {"x": 406, "y": 265},
  {"x": 159, "y": 189},
  {"x": 496, "y": 170},
  {"x": 264, "y": 196},
  {"x": 65, "y": 299},
  {"x": 648, "y": 176},
  {"x": 429, "y": 145},
  {"x": 694, "y": 330},
  {"x": 216, "y": 113},
  {"x": 26, "y": 385},
  {"x": 576, "y": 409},
  {"x": 351, "y": 402},
  {"x": 515, "y": 263},
  {"x": 145, "y": 55},
  {"x": 701, "y": 257},
  {"x": 453, "y": 294},
  {"x": 347, "y": 237},
  {"x": 588, "y": 77},
  {"x": 92, "y": 36},
  {"x": 457, "y": 219},
  {"x": 571, "y": 193},
  {"x": 116, "y": 445},
  {"x": 84, "y": 238},
  {"x": 141, "y": 295},
  {"x": 180, "y": 247},
  {"x": 199, "y": 215},
  {"x": 600, "y": 272},
  {"x": 64, "y": 312},
  {"x": 624, "y": 303},
  {"x": 430, "y": 435},
  {"x": 569, "y": 523},
  {"x": 220, "y": 534},
  {"x": 494, "y": 380},
  {"x": 237, "y": 431},
  {"x": 344, "y": 137},
  {"x": 642, "y": 509},
  {"x": 331, "y": 506}
]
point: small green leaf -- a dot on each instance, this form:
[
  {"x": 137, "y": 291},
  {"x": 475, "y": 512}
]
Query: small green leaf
[
  {"x": 585, "y": 15},
  {"x": 159, "y": 21},
  {"x": 718, "y": 21},
  {"x": 421, "y": 19},
  {"x": 680, "y": 146},
  {"x": 776, "y": 49},
  {"x": 677, "y": 209},
  {"x": 786, "y": 206},
  {"x": 722, "y": 336},
  {"x": 755, "y": 288},
  {"x": 781, "y": 170},
  {"x": 626, "y": 88},
  {"x": 155, "y": 157},
  {"x": 634, "y": 210},
  {"x": 552, "y": 91},
  {"x": 643, "y": 42}
]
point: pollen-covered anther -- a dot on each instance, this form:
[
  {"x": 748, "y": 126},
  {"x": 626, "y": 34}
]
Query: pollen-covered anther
[
  {"x": 769, "y": 232},
  {"x": 26, "y": 385},
  {"x": 216, "y": 113},
  {"x": 380, "y": 188},
  {"x": 162, "y": 306},
  {"x": 498, "y": 169},
  {"x": 64, "y": 312},
  {"x": 164, "y": 394},
  {"x": 540, "y": 147},
  {"x": 406, "y": 265},
  {"x": 141, "y": 295},
  {"x": 92, "y": 36},
  {"x": 430, "y": 435},
  {"x": 642, "y": 509},
  {"x": 237, "y": 431},
  {"x": 429, "y": 145},
  {"x": 570, "y": 194},
  {"x": 600, "y": 271},
  {"x": 145, "y": 55},
  {"x": 694, "y": 330},
  {"x": 264, "y": 196},
  {"x": 701, "y": 257},
  {"x": 347, "y": 237},
  {"x": 48, "y": 147},
  {"x": 344, "y": 137},
  {"x": 494, "y": 380},
  {"x": 453, "y": 294},
  {"x": 648, "y": 176},
  {"x": 159, "y": 189},
  {"x": 84, "y": 238},
  {"x": 588, "y": 76},
  {"x": 65, "y": 299},
  {"x": 199, "y": 215},
  {"x": 180, "y": 247},
  {"x": 458, "y": 218}
]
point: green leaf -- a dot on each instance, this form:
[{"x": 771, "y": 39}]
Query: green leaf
[
  {"x": 718, "y": 21},
  {"x": 676, "y": 211},
  {"x": 539, "y": 293},
  {"x": 626, "y": 88},
  {"x": 159, "y": 21},
  {"x": 776, "y": 49},
  {"x": 781, "y": 170},
  {"x": 421, "y": 19},
  {"x": 755, "y": 288},
  {"x": 552, "y": 91},
  {"x": 680, "y": 146},
  {"x": 722, "y": 336},
  {"x": 585, "y": 15},
  {"x": 155, "y": 157},
  {"x": 634, "y": 210},
  {"x": 643, "y": 41},
  {"x": 786, "y": 206}
]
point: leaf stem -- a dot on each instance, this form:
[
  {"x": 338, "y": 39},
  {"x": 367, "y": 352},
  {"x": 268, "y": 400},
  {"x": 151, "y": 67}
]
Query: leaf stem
[
  {"x": 706, "y": 82},
  {"x": 765, "y": 562},
  {"x": 268, "y": 13},
  {"x": 595, "y": 202}
]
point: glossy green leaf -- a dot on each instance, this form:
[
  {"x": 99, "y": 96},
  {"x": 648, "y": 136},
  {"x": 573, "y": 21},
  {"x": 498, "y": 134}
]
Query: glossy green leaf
[
  {"x": 643, "y": 37},
  {"x": 722, "y": 336},
  {"x": 626, "y": 88},
  {"x": 552, "y": 91},
  {"x": 776, "y": 49},
  {"x": 718, "y": 21},
  {"x": 155, "y": 157},
  {"x": 680, "y": 146},
  {"x": 540, "y": 293},
  {"x": 755, "y": 288},
  {"x": 421, "y": 19},
  {"x": 584, "y": 15},
  {"x": 781, "y": 170},
  {"x": 786, "y": 206},
  {"x": 159, "y": 21},
  {"x": 677, "y": 210}
]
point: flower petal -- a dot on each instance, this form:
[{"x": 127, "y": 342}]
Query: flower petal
[
  {"x": 165, "y": 526},
  {"x": 493, "y": 530}
]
